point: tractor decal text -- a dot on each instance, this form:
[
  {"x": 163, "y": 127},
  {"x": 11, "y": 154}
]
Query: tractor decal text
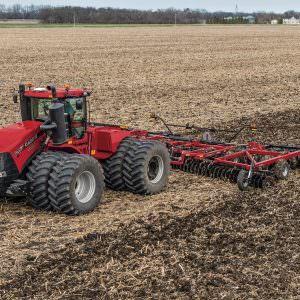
[{"x": 25, "y": 145}]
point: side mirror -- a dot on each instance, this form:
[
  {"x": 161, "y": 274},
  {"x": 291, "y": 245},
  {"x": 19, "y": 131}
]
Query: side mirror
[
  {"x": 15, "y": 98},
  {"x": 79, "y": 104}
]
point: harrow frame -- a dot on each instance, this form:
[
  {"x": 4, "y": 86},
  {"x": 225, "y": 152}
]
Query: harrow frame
[
  {"x": 251, "y": 164},
  {"x": 256, "y": 162}
]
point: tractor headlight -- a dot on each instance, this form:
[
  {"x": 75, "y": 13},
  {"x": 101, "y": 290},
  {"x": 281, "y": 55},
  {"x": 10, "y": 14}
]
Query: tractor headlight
[{"x": 3, "y": 174}]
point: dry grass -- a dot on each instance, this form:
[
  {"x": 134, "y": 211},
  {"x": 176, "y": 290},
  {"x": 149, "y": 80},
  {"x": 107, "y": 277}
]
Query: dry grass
[{"x": 198, "y": 239}]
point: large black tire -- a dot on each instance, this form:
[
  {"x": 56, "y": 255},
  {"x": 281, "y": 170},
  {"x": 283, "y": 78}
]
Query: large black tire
[
  {"x": 38, "y": 176},
  {"x": 147, "y": 167},
  {"x": 76, "y": 185},
  {"x": 113, "y": 167}
]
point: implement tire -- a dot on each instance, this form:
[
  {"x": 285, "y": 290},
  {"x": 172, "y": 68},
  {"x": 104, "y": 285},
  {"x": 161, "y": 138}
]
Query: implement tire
[
  {"x": 113, "y": 166},
  {"x": 146, "y": 167},
  {"x": 281, "y": 169},
  {"x": 242, "y": 181},
  {"x": 76, "y": 185},
  {"x": 38, "y": 176}
]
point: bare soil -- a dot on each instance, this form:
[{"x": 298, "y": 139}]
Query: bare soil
[{"x": 200, "y": 238}]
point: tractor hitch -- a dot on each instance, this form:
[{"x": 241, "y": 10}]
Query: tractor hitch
[{"x": 18, "y": 188}]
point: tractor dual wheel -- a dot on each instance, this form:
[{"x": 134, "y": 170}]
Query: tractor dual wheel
[
  {"x": 76, "y": 185},
  {"x": 146, "y": 167},
  {"x": 113, "y": 167},
  {"x": 38, "y": 176}
]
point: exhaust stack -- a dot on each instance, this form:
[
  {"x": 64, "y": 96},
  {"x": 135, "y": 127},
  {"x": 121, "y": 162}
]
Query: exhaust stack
[{"x": 56, "y": 123}]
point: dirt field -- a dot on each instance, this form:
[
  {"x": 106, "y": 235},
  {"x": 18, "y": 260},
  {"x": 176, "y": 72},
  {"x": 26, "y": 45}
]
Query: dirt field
[{"x": 199, "y": 239}]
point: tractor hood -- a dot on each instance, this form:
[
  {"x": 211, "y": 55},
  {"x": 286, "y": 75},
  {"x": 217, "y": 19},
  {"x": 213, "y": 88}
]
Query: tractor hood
[
  {"x": 13, "y": 136},
  {"x": 21, "y": 141}
]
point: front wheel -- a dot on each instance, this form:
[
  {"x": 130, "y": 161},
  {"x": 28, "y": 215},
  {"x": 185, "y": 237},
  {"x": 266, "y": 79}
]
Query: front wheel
[{"x": 76, "y": 185}]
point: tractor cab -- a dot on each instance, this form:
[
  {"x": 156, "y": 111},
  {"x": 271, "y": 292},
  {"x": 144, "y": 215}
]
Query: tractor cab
[{"x": 35, "y": 104}]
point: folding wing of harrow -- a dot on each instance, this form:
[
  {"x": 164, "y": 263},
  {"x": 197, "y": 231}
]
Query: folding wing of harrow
[{"x": 248, "y": 165}]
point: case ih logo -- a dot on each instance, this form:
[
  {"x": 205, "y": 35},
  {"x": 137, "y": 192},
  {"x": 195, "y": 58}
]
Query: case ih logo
[{"x": 25, "y": 145}]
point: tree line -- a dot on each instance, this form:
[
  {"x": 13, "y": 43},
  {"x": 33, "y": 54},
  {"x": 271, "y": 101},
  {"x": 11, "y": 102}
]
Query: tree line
[{"x": 91, "y": 15}]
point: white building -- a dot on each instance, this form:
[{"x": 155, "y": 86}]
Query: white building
[
  {"x": 291, "y": 21},
  {"x": 274, "y": 22},
  {"x": 250, "y": 19}
]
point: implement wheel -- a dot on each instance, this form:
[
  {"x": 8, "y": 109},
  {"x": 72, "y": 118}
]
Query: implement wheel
[
  {"x": 147, "y": 167},
  {"x": 267, "y": 182},
  {"x": 76, "y": 185},
  {"x": 242, "y": 181},
  {"x": 281, "y": 169},
  {"x": 294, "y": 162}
]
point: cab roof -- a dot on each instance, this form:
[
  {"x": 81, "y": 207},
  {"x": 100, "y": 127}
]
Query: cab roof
[{"x": 61, "y": 93}]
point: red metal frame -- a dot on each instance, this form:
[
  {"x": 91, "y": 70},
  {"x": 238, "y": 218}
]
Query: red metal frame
[
  {"x": 252, "y": 152},
  {"x": 221, "y": 153}
]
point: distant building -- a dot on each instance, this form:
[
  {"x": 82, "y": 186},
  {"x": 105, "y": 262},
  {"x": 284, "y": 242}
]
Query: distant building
[
  {"x": 250, "y": 19},
  {"x": 291, "y": 21},
  {"x": 274, "y": 22},
  {"x": 228, "y": 18}
]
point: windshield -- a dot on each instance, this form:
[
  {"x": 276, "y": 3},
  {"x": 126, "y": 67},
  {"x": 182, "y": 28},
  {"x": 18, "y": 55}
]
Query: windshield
[{"x": 40, "y": 108}]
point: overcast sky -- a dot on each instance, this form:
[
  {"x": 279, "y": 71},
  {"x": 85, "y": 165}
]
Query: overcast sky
[{"x": 211, "y": 5}]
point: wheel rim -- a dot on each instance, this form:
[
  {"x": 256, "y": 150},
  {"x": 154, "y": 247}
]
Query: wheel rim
[
  {"x": 245, "y": 183},
  {"x": 285, "y": 172},
  {"x": 85, "y": 187},
  {"x": 155, "y": 169}
]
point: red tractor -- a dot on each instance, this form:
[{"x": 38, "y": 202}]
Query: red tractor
[{"x": 61, "y": 161}]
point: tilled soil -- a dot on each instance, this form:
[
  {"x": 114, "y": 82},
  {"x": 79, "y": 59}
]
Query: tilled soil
[{"x": 200, "y": 238}]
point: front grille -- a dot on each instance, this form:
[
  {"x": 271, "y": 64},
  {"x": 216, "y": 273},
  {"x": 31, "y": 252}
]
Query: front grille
[
  {"x": 2, "y": 161},
  {"x": 7, "y": 165}
]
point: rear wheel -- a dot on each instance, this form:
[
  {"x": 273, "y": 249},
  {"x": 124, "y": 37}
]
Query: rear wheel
[
  {"x": 147, "y": 167},
  {"x": 113, "y": 167},
  {"x": 76, "y": 185},
  {"x": 38, "y": 176}
]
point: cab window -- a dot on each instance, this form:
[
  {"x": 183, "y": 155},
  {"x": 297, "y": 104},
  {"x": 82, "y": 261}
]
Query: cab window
[
  {"x": 40, "y": 108},
  {"x": 71, "y": 108}
]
